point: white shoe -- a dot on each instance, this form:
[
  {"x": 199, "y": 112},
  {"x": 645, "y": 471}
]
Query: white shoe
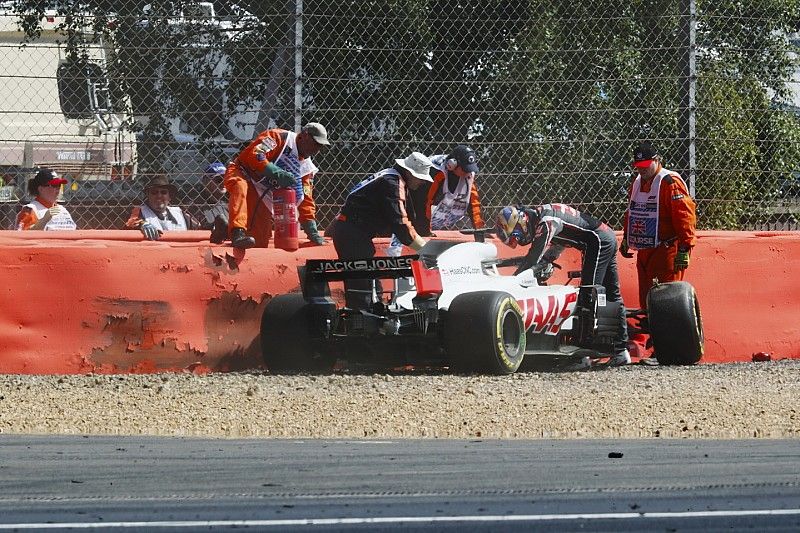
[{"x": 621, "y": 359}]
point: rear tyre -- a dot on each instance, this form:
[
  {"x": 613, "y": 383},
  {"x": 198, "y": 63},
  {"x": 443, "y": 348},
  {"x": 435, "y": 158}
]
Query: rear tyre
[
  {"x": 676, "y": 328},
  {"x": 289, "y": 327},
  {"x": 484, "y": 332}
]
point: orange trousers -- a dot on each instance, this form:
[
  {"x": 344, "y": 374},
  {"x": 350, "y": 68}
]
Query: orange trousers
[
  {"x": 245, "y": 207},
  {"x": 656, "y": 263}
]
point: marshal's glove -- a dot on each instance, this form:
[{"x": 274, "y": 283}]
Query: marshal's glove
[
  {"x": 418, "y": 243},
  {"x": 681, "y": 259},
  {"x": 623, "y": 248},
  {"x": 281, "y": 177},
  {"x": 150, "y": 232},
  {"x": 310, "y": 227}
]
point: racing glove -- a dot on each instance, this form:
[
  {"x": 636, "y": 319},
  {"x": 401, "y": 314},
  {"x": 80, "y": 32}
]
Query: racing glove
[
  {"x": 150, "y": 232},
  {"x": 281, "y": 177},
  {"x": 681, "y": 259},
  {"x": 623, "y": 248},
  {"x": 310, "y": 227},
  {"x": 544, "y": 270}
]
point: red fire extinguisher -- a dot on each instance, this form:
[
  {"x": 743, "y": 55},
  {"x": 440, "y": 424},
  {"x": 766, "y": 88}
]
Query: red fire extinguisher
[{"x": 284, "y": 202}]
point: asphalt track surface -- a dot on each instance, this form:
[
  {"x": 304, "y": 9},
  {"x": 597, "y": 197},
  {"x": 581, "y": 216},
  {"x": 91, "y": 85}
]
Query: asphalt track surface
[{"x": 166, "y": 484}]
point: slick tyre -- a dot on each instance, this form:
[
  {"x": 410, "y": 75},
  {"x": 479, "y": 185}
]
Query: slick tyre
[
  {"x": 484, "y": 332},
  {"x": 289, "y": 327},
  {"x": 676, "y": 328}
]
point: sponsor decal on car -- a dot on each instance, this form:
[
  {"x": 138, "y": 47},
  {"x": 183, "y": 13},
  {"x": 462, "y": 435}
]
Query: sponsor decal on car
[
  {"x": 464, "y": 270},
  {"x": 545, "y": 315},
  {"x": 377, "y": 263}
]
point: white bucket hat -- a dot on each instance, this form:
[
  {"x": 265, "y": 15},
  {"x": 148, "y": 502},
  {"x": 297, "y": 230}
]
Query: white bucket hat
[{"x": 418, "y": 164}]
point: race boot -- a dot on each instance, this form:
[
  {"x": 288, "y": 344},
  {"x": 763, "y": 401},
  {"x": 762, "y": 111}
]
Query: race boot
[
  {"x": 621, "y": 355},
  {"x": 621, "y": 358},
  {"x": 239, "y": 239}
]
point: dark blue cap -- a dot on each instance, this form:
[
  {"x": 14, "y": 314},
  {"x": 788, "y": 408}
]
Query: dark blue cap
[{"x": 466, "y": 157}]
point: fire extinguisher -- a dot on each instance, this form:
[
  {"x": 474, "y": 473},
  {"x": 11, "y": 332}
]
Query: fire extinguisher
[{"x": 284, "y": 202}]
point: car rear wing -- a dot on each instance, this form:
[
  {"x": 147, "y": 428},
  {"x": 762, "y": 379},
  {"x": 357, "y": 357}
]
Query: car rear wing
[{"x": 317, "y": 273}]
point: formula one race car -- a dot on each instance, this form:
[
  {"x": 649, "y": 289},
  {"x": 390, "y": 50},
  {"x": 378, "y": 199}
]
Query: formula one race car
[{"x": 451, "y": 307}]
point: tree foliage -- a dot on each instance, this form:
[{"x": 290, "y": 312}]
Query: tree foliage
[{"x": 553, "y": 94}]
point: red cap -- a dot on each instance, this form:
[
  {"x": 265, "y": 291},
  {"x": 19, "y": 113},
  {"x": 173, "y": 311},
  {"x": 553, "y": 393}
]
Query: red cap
[
  {"x": 43, "y": 177},
  {"x": 642, "y": 164}
]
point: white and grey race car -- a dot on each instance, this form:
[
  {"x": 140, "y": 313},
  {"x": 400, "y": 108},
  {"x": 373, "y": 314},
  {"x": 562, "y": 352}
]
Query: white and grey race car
[{"x": 451, "y": 306}]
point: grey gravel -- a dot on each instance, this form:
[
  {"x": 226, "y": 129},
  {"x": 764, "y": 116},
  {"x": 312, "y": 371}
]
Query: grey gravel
[{"x": 760, "y": 400}]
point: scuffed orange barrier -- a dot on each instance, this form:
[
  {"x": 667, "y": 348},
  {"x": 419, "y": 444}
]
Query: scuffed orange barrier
[
  {"x": 94, "y": 301},
  {"x": 106, "y": 301},
  {"x": 749, "y": 295}
]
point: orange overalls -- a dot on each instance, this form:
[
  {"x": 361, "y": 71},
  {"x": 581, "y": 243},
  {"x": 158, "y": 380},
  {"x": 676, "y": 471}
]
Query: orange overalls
[
  {"x": 246, "y": 208},
  {"x": 676, "y": 227}
]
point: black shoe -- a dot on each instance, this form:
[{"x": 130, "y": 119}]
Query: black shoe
[{"x": 239, "y": 239}]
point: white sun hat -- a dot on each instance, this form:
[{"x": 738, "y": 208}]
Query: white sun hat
[{"x": 418, "y": 164}]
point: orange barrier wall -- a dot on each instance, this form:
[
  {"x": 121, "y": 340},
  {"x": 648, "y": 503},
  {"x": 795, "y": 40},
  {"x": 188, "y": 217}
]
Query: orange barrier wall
[{"x": 106, "y": 301}]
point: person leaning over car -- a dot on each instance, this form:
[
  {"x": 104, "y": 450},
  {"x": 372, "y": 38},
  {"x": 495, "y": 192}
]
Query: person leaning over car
[
  {"x": 155, "y": 215},
  {"x": 378, "y": 206},
  {"x": 562, "y": 225},
  {"x": 275, "y": 158},
  {"x": 43, "y": 213},
  {"x": 659, "y": 222}
]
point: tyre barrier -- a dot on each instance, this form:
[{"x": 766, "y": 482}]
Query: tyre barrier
[{"x": 109, "y": 302}]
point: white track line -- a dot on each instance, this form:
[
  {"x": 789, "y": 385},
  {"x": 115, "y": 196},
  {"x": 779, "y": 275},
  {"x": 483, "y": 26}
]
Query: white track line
[{"x": 400, "y": 520}]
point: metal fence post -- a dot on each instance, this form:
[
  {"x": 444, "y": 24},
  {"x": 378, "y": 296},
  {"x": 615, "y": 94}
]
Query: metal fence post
[
  {"x": 276, "y": 74},
  {"x": 298, "y": 65},
  {"x": 689, "y": 93}
]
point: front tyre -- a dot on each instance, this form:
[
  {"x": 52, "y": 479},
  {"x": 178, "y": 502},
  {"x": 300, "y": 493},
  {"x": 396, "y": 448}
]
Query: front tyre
[
  {"x": 289, "y": 327},
  {"x": 484, "y": 332},
  {"x": 676, "y": 328}
]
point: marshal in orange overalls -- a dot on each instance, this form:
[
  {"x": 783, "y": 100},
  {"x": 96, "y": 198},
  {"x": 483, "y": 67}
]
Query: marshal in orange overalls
[
  {"x": 247, "y": 209},
  {"x": 676, "y": 229}
]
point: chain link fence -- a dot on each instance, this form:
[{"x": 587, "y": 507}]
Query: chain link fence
[{"x": 553, "y": 97}]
